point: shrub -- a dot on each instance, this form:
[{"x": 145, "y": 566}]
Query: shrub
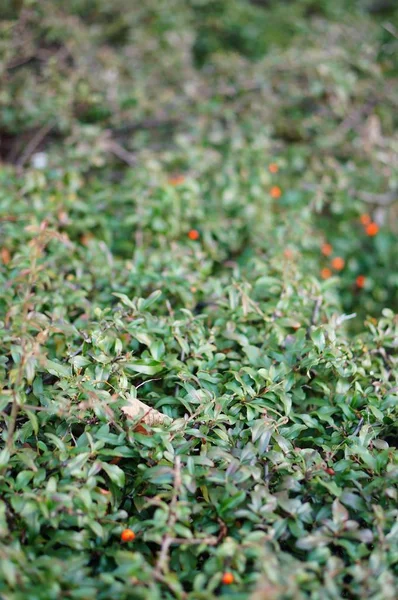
[{"x": 151, "y": 257}]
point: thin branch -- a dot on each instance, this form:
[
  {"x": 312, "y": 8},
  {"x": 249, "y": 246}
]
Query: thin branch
[
  {"x": 34, "y": 143},
  {"x": 146, "y": 124},
  {"x": 380, "y": 199},
  {"x": 211, "y": 540},
  {"x": 358, "y": 427},
  {"x": 369, "y": 197},
  {"x": 148, "y": 381},
  {"x": 315, "y": 314},
  {"x": 13, "y": 422},
  {"x": 163, "y": 556},
  {"x": 78, "y": 351},
  {"x": 121, "y": 153},
  {"x": 355, "y": 118},
  {"x": 179, "y": 595},
  {"x": 18, "y": 62}
]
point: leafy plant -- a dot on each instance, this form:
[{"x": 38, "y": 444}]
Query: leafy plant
[{"x": 198, "y": 395}]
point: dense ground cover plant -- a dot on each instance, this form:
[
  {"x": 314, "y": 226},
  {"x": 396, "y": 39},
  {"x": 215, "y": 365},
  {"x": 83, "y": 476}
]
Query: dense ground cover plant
[{"x": 197, "y": 212}]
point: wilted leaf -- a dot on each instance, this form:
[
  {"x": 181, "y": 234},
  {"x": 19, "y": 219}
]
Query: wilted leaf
[{"x": 135, "y": 409}]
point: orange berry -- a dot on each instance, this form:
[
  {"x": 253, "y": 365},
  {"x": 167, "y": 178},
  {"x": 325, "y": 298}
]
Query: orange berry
[
  {"x": 63, "y": 217},
  {"x": 365, "y": 219},
  {"x": 86, "y": 238},
  {"x": 5, "y": 256},
  {"x": 338, "y": 263},
  {"x": 127, "y": 535},
  {"x": 275, "y": 191},
  {"x": 326, "y": 249},
  {"x": 273, "y": 168},
  {"x": 360, "y": 281},
  {"x": 176, "y": 180},
  {"x": 326, "y": 273},
  {"x": 193, "y": 234},
  {"x": 372, "y": 229},
  {"x": 288, "y": 253},
  {"x": 228, "y": 578},
  {"x": 330, "y": 471}
]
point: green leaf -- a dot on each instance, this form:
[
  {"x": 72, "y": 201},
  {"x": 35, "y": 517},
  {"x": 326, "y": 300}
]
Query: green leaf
[
  {"x": 152, "y": 298},
  {"x": 57, "y": 369},
  {"x": 115, "y": 474},
  {"x": 4, "y": 457},
  {"x": 318, "y": 337},
  {"x": 124, "y": 299},
  {"x": 145, "y": 366}
]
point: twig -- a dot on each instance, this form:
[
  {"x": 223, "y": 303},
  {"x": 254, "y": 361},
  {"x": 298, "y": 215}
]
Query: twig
[
  {"x": 179, "y": 595},
  {"x": 18, "y": 62},
  {"x": 78, "y": 351},
  {"x": 369, "y": 197},
  {"x": 211, "y": 540},
  {"x": 13, "y": 421},
  {"x": 146, "y": 124},
  {"x": 33, "y": 144},
  {"x": 358, "y": 427},
  {"x": 355, "y": 117},
  {"x": 148, "y": 381},
  {"x": 192, "y": 417},
  {"x": 118, "y": 150},
  {"x": 223, "y": 530},
  {"x": 380, "y": 199},
  {"x": 315, "y": 314},
  {"x": 163, "y": 556}
]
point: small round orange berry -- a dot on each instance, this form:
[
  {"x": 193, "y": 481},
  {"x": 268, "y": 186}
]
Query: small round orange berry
[
  {"x": 228, "y": 578},
  {"x": 176, "y": 180},
  {"x": 193, "y": 234},
  {"x": 288, "y": 253},
  {"x": 330, "y": 471},
  {"x": 372, "y": 229},
  {"x": 365, "y": 219},
  {"x": 273, "y": 168},
  {"x": 326, "y": 273},
  {"x": 275, "y": 191},
  {"x": 127, "y": 535},
  {"x": 86, "y": 238},
  {"x": 5, "y": 256},
  {"x": 338, "y": 263},
  {"x": 360, "y": 281},
  {"x": 326, "y": 249}
]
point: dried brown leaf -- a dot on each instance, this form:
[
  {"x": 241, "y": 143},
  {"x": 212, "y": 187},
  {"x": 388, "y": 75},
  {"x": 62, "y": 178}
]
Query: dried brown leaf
[{"x": 135, "y": 409}]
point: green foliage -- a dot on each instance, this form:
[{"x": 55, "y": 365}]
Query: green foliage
[{"x": 279, "y": 461}]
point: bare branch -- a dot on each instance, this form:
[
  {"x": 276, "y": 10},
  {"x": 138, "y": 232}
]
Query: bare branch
[
  {"x": 121, "y": 153},
  {"x": 380, "y": 199},
  {"x": 34, "y": 143},
  {"x": 163, "y": 557}
]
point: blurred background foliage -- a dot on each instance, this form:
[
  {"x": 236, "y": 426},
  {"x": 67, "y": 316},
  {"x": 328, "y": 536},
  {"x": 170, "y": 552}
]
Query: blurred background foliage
[{"x": 316, "y": 79}]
